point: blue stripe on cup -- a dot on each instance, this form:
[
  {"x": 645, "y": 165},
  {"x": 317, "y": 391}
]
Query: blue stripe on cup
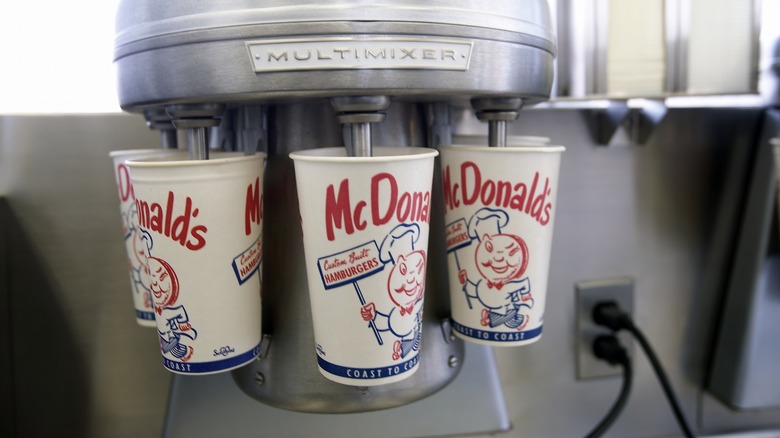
[
  {"x": 358, "y": 373},
  {"x": 213, "y": 366},
  {"x": 496, "y": 336},
  {"x": 146, "y": 316}
]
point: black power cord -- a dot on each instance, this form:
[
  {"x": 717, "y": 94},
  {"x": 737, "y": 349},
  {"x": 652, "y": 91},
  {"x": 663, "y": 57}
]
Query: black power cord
[
  {"x": 610, "y": 315},
  {"x": 607, "y": 347}
]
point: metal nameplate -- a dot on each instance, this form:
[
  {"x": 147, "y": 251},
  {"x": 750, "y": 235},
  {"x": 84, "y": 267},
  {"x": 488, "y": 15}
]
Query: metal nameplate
[{"x": 341, "y": 53}]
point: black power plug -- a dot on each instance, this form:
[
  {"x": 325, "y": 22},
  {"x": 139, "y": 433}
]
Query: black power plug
[
  {"x": 610, "y": 315},
  {"x": 608, "y": 348}
]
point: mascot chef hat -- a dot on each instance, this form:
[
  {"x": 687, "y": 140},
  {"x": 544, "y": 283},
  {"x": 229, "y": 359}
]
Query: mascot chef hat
[
  {"x": 487, "y": 221},
  {"x": 398, "y": 242}
]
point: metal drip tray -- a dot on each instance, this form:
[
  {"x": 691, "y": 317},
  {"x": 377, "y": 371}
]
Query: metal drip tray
[{"x": 214, "y": 406}]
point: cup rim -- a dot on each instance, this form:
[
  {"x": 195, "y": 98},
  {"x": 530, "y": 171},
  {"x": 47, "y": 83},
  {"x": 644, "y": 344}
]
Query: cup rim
[
  {"x": 508, "y": 148},
  {"x": 517, "y": 138},
  {"x": 409, "y": 153},
  {"x": 158, "y": 162},
  {"x": 161, "y": 151}
]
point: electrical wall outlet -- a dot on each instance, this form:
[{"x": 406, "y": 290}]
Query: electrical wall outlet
[{"x": 588, "y": 294}]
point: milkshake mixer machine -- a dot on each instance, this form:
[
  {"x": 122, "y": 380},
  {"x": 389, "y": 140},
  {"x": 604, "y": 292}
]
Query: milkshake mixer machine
[{"x": 281, "y": 76}]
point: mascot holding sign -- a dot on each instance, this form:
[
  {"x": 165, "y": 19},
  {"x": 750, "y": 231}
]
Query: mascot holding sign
[{"x": 405, "y": 287}]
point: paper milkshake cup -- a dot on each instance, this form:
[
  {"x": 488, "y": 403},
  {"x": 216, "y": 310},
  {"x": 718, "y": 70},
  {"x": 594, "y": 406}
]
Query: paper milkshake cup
[
  {"x": 201, "y": 224},
  {"x": 511, "y": 140},
  {"x": 136, "y": 260},
  {"x": 499, "y": 209},
  {"x": 365, "y": 233}
]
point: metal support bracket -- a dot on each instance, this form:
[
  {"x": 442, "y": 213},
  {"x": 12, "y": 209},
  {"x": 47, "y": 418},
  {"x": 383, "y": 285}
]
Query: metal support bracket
[
  {"x": 603, "y": 123},
  {"x": 639, "y": 119},
  {"x": 642, "y": 121}
]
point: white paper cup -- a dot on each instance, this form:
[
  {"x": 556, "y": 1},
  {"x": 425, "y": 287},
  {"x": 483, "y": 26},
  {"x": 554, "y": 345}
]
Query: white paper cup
[
  {"x": 136, "y": 259},
  {"x": 365, "y": 233},
  {"x": 499, "y": 209},
  {"x": 201, "y": 223},
  {"x": 511, "y": 140}
]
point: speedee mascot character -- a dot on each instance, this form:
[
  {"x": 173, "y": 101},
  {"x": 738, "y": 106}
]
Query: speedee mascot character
[
  {"x": 164, "y": 285},
  {"x": 405, "y": 287},
  {"x": 501, "y": 261},
  {"x": 138, "y": 264}
]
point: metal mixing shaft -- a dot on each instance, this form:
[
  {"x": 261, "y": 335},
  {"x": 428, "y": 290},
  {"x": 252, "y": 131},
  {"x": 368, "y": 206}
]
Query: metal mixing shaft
[
  {"x": 196, "y": 119},
  {"x": 160, "y": 120},
  {"x": 357, "y": 113},
  {"x": 497, "y": 112}
]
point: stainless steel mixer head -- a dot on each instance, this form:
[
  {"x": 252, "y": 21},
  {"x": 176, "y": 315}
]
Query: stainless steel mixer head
[
  {"x": 314, "y": 64},
  {"x": 236, "y": 51}
]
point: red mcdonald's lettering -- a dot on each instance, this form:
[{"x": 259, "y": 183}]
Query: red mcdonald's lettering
[
  {"x": 450, "y": 191},
  {"x": 376, "y": 218},
  {"x": 337, "y": 208},
  {"x": 166, "y": 222},
  {"x": 253, "y": 212},
  {"x": 386, "y": 204},
  {"x": 124, "y": 184},
  {"x": 533, "y": 199},
  {"x": 357, "y": 216},
  {"x": 469, "y": 199}
]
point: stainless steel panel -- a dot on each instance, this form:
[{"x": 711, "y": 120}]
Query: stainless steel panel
[
  {"x": 748, "y": 348},
  {"x": 472, "y": 404},
  {"x": 649, "y": 212},
  {"x": 81, "y": 365},
  {"x": 7, "y": 419}
]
